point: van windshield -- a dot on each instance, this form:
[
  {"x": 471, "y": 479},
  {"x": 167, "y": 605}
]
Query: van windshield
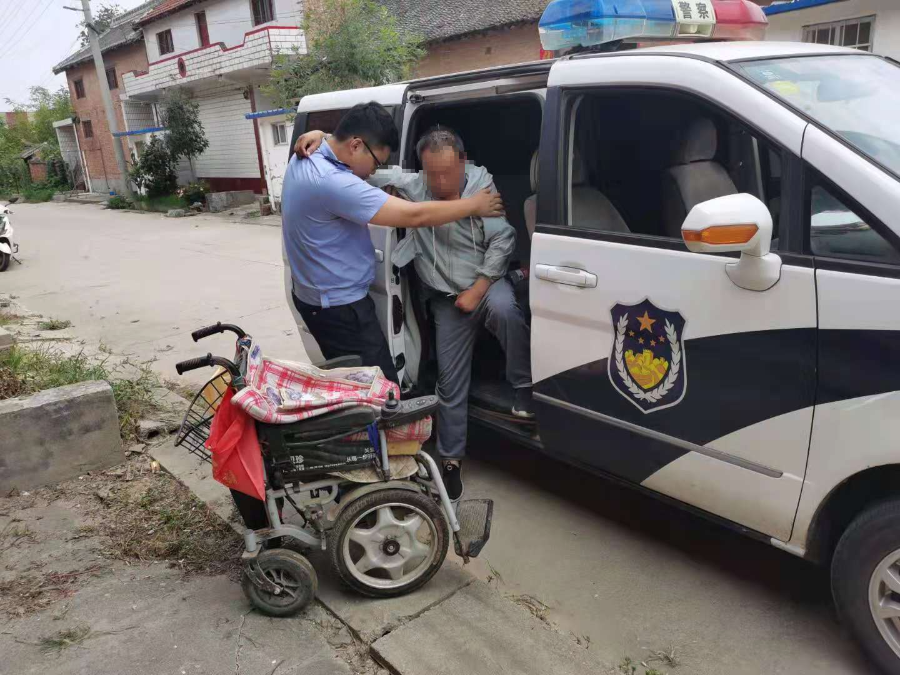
[{"x": 855, "y": 96}]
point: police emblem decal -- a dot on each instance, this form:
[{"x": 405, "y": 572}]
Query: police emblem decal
[{"x": 648, "y": 365}]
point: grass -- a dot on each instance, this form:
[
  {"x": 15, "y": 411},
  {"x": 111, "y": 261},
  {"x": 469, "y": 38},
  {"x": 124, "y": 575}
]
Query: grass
[
  {"x": 54, "y": 324},
  {"x": 28, "y": 371},
  {"x": 7, "y": 318},
  {"x": 166, "y": 522},
  {"x": 65, "y": 638},
  {"x": 161, "y": 204},
  {"x": 38, "y": 194}
]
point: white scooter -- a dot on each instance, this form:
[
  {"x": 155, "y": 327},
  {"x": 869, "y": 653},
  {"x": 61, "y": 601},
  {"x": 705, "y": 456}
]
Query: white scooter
[{"x": 7, "y": 246}]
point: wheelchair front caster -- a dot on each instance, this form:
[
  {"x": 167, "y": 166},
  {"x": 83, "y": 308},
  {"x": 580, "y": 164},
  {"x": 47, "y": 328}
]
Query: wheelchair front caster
[{"x": 279, "y": 582}]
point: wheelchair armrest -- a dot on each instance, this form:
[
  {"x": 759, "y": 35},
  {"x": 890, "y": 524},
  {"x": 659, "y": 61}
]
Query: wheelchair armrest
[
  {"x": 349, "y": 361},
  {"x": 408, "y": 411}
]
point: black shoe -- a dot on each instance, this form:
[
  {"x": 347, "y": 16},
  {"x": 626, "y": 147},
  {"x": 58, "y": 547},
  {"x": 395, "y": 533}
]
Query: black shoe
[
  {"x": 523, "y": 405},
  {"x": 453, "y": 479}
]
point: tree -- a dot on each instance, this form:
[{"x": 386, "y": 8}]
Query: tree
[
  {"x": 155, "y": 170},
  {"x": 352, "y": 43},
  {"x": 181, "y": 117},
  {"x": 103, "y": 19}
]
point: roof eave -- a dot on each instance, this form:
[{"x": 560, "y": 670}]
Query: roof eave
[
  {"x": 156, "y": 17},
  {"x": 59, "y": 67}
]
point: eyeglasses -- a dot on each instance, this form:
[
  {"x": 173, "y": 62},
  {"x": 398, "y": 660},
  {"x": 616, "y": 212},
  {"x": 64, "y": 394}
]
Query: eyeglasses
[{"x": 378, "y": 162}]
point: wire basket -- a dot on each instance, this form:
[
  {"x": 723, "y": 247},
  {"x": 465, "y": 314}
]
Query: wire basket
[{"x": 198, "y": 419}]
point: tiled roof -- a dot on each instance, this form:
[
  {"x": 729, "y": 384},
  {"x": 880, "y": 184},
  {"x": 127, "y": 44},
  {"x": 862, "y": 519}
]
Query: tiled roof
[
  {"x": 120, "y": 33},
  {"x": 165, "y": 8},
  {"x": 441, "y": 19}
]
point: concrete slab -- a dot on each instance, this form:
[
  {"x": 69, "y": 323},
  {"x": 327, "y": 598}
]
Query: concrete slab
[
  {"x": 222, "y": 201},
  {"x": 152, "y": 620},
  {"x": 58, "y": 434},
  {"x": 371, "y": 618},
  {"x": 479, "y": 632},
  {"x": 7, "y": 339}
]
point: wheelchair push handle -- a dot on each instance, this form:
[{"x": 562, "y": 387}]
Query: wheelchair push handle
[
  {"x": 207, "y": 361},
  {"x": 217, "y": 328}
]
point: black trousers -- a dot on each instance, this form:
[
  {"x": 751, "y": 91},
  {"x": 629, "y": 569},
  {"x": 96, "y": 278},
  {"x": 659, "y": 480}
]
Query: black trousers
[{"x": 348, "y": 330}]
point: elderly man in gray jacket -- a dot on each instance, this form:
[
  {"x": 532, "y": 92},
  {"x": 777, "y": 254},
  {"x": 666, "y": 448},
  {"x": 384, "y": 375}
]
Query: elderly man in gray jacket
[{"x": 462, "y": 266}]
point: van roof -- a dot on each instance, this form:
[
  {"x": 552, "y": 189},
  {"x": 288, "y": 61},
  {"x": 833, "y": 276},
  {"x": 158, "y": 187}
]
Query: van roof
[{"x": 392, "y": 94}]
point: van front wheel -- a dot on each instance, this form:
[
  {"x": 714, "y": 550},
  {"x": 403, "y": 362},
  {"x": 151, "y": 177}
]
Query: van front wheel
[{"x": 865, "y": 582}]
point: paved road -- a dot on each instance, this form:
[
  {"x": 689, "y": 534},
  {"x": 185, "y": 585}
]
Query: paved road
[{"x": 628, "y": 572}]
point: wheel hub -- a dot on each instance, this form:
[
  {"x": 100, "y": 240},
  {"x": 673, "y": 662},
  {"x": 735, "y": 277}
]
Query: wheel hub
[
  {"x": 884, "y": 599},
  {"x": 391, "y": 547}
]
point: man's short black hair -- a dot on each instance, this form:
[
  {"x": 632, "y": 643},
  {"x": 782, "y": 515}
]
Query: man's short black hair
[{"x": 372, "y": 123}]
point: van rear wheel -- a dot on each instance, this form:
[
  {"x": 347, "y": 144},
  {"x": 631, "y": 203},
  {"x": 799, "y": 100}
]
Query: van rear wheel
[{"x": 865, "y": 582}]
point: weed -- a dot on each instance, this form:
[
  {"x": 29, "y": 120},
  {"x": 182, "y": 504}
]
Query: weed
[
  {"x": 65, "y": 638},
  {"x": 7, "y": 318},
  {"x": 667, "y": 656},
  {"x": 495, "y": 573},
  {"x": 54, "y": 324},
  {"x": 160, "y": 204},
  {"x": 182, "y": 390},
  {"x": 27, "y": 371},
  {"x": 166, "y": 522},
  {"x": 537, "y": 608},
  {"x": 627, "y": 666}
]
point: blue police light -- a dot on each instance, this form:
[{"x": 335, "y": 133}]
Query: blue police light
[
  {"x": 571, "y": 23},
  {"x": 586, "y": 23}
]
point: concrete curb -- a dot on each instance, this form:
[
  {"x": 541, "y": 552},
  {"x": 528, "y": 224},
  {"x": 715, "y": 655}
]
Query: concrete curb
[
  {"x": 58, "y": 434},
  {"x": 7, "y": 339}
]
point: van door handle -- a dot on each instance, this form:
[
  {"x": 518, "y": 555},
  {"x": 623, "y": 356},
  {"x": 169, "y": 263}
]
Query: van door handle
[
  {"x": 569, "y": 276},
  {"x": 379, "y": 255}
]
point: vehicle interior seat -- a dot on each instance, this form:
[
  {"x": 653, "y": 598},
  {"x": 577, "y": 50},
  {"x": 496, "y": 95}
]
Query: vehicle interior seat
[
  {"x": 694, "y": 175},
  {"x": 591, "y": 209}
]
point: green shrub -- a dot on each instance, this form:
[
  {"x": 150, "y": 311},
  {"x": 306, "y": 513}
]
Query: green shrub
[
  {"x": 118, "y": 202},
  {"x": 155, "y": 170},
  {"x": 39, "y": 194},
  {"x": 159, "y": 204},
  {"x": 194, "y": 192}
]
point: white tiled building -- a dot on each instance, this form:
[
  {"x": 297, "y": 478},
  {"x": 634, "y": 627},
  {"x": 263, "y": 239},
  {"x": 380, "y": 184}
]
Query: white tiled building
[
  {"x": 871, "y": 25},
  {"x": 221, "y": 51}
]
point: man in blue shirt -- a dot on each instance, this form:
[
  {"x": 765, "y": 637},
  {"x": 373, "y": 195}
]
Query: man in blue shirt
[{"x": 327, "y": 206}]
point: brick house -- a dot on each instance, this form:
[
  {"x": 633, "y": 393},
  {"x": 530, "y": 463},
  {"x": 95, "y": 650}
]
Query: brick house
[{"x": 123, "y": 51}]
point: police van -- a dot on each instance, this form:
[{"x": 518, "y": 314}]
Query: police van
[{"x": 712, "y": 232}]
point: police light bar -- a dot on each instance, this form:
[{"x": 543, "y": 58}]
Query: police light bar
[{"x": 586, "y": 23}]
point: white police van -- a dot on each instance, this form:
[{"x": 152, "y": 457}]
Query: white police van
[{"x": 713, "y": 237}]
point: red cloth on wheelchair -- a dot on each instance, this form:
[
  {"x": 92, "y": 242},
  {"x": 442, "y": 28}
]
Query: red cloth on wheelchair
[{"x": 236, "y": 454}]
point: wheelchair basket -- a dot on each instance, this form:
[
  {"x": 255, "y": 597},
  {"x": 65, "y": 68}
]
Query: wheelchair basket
[{"x": 197, "y": 421}]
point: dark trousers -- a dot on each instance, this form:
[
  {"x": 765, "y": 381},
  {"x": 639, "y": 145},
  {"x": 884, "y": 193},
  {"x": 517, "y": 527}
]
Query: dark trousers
[{"x": 349, "y": 330}]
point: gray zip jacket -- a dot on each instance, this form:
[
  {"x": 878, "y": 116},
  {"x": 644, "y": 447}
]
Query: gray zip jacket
[{"x": 450, "y": 258}]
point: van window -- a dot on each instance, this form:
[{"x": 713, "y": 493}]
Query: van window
[
  {"x": 324, "y": 120},
  {"x": 836, "y": 231},
  {"x": 640, "y": 160}
]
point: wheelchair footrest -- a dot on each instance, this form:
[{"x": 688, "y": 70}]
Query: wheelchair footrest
[{"x": 475, "y": 517}]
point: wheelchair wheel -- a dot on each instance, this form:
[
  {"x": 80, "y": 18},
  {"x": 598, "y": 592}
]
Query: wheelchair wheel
[
  {"x": 389, "y": 542},
  {"x": 293, "y": 573}
]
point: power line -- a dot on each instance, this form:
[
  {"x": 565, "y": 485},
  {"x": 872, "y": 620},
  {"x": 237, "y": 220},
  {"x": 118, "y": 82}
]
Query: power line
[
  {"x": 9, "y": 21},
  {"x": 13, "y": 45}
]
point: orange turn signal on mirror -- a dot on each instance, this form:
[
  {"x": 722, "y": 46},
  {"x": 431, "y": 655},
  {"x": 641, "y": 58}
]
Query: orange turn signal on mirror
[{"x": 721, "y": 234}]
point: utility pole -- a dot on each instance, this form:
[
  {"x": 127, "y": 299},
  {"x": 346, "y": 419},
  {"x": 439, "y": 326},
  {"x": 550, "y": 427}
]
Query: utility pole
[{"x": 93, "y": 39}]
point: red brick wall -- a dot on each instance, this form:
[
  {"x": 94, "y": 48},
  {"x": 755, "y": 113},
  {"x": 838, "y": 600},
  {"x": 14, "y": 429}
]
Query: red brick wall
[
  {"x": 492, "y": 48},
  {"x": 98, "y": 151},
  {"x": 38, "y": 171}
]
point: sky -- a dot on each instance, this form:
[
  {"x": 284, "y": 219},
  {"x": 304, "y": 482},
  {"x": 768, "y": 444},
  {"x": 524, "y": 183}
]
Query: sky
[{"x": 35, "y": 35}]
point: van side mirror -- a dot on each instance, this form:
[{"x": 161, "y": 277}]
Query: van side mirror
[{"x": 741, "y": 223}]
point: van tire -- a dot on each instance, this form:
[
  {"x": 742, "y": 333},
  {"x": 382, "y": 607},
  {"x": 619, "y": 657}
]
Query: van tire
[{"x": 870, "y": 539}]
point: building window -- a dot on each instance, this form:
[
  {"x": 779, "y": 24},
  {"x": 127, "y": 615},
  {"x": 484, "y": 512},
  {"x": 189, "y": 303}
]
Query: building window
[
  {"x": 164, "y": 40},
  {"x": 262, "y": 11},
  {"x": 202, "y": 28},
  {"x": 855, "y": 33},
  {"x": 79, "y": 88},
  {"x": 87, "y": 128},
  {"x": 279, "y": 134},
  {"x": 111, "y": 78}
]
